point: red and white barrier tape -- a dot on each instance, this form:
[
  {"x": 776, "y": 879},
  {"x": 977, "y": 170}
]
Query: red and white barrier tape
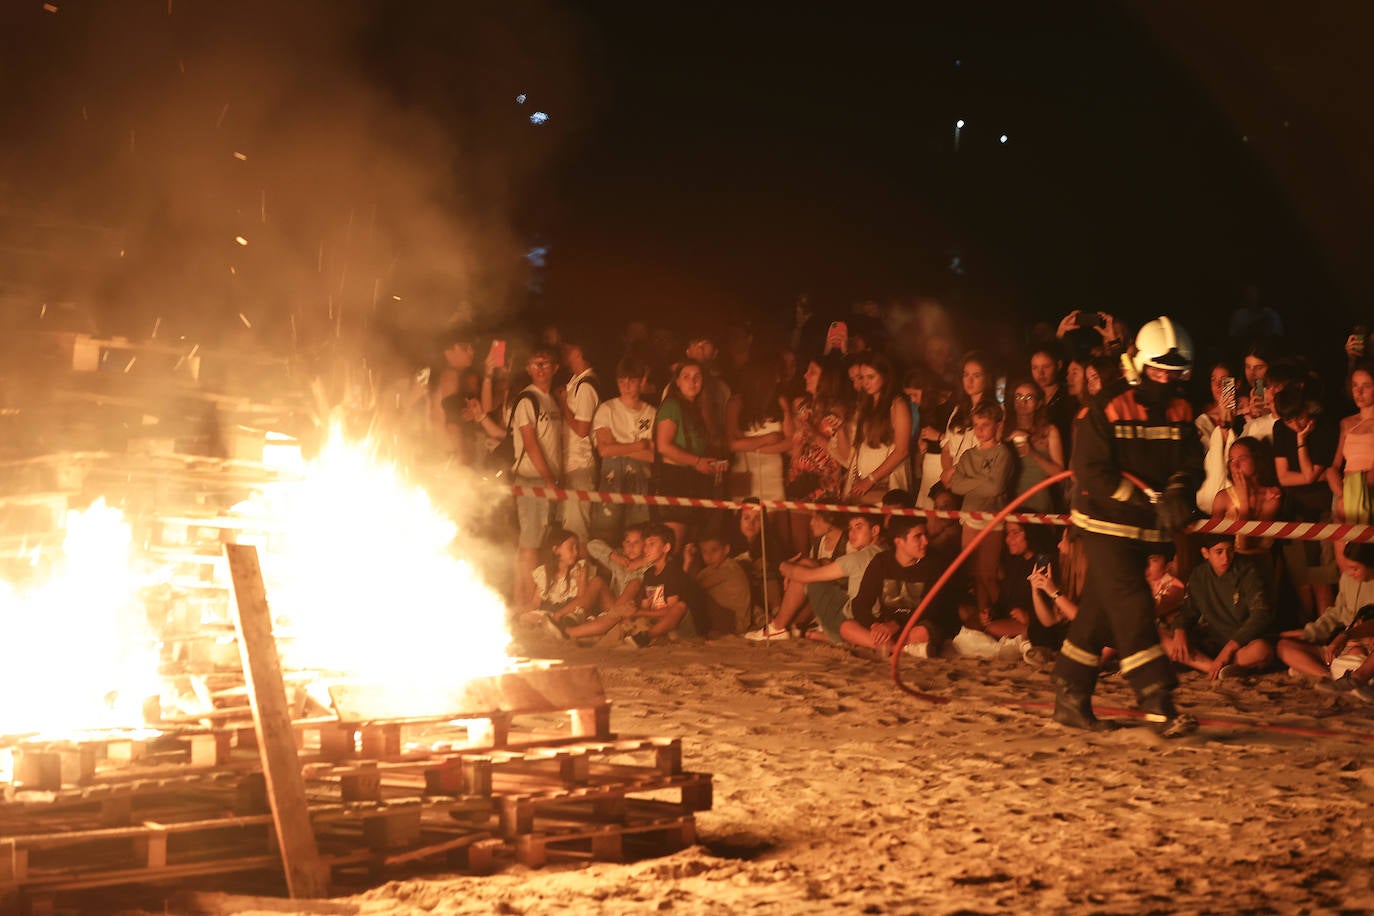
[{"x": 1291, "y": 531}]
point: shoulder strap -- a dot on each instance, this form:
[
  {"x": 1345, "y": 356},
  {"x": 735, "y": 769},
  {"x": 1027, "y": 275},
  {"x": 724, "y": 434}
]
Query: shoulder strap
[{"x": 538, "y": 411}]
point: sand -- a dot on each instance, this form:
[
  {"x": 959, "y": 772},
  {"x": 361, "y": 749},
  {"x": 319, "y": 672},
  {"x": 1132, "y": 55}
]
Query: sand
[{"x": 837, "y": 793}]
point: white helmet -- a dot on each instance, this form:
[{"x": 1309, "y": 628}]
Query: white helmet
[{"x": 1164, "y": 345}]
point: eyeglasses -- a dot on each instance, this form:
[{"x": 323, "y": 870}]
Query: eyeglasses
[
  {"x": 540, "y": 364},
  {"x": 1023, "y": 397}
]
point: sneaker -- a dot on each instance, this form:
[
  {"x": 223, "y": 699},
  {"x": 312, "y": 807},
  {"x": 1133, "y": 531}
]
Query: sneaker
[
  {"x": 766, "y": 633},
  {"x": 917, "y": 649},
  {"x": 1179, "y": 726},
  {"x": 1344, "y": 684},
  {"x": 1232, "y": 672}
]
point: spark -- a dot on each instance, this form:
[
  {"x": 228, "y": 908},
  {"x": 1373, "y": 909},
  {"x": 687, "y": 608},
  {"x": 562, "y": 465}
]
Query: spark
[
  {"x": 241, "y": 157},
  {"x": 50, "y": 7},
  {"x": 539, "y": 117},
  {"x": 42, "y": 313},
  {"x": 241, "y": 240},
  {"x": 244, "y": 319},
  {"x": 1002, "y": 139},
  {"x": 156, "y": 324},
  {"x": 262, "y": 207},
  {"x": 232, "y": 271},
  {"x": 130, "y": 364},
  {"x": 194, "y": 351},
  {"x": 222, "y": 112},
  {"x": 181, "y": 65},
  {"x": 84, "y": 116},
  {"x": 121, "y": 252}
]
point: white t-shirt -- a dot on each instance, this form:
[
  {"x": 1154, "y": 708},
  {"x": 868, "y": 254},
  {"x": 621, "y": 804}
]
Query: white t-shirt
[
  {"x": 548, "y": 430},
  {"x": 582, "y": 403},
  {"x": 854, "y": 563},
  {"x": 626, "y": 425}
]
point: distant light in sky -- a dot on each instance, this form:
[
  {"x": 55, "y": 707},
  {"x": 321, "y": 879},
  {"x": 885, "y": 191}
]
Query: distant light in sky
[
  {"x": 538, "y": 117},
  {"x": 538, "y": 255},
  {"x": 1002, "y": 139},
  {"x": 957, "y": 61},
  {"x": 959, "y": 123},
  {"x": 521, "y": 98}
]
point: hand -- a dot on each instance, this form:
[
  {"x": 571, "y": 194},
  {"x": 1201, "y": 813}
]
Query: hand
[
  {"x": 1068, "y": 323},
  {"x": 984, "y": 618},
  {"x": 1354, "y": 346},
  {"x": 1178, "y": 647},
  {"x": 1304, "y": 428},
  {"x": 1110, "y": 329},
  {"x": 1040, "y": 579},
  {"x": 689, "y": 554},
  {"x": 1175, "y": 510},
  {"x": 495, "y": 360},
  {"x": 472, "y": 411},
  {"x": 882, "y": 633},
  {"x": 1224, "y": 658},
  {"x": 861, "y": 486},
  {"x": 1333, "y": 649}
]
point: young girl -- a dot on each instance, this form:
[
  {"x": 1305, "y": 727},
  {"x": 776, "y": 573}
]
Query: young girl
[
  {"x": 976, "y": 380},
  {"x": 566, "y": 591},
  {"x": 758, "y": 425},
  {"x": 882, "y": 434},
  {"x": 682, "y": 466},
  {"x": 981, "y": 477},
  {"x": 820, "y": 440},
  {"x": 1039, "y": 450},
  {"x": 1351, "y": 475}
]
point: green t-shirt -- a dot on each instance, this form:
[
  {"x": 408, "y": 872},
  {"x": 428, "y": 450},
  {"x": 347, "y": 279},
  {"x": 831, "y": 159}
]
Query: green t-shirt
[{"x": 691, "y": 434}]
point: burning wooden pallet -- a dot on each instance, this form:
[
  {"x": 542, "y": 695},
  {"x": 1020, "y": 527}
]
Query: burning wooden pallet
[{"x": 520, "y": 766}]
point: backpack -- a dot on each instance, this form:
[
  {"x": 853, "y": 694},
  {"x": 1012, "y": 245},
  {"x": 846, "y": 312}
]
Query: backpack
[{"x": 501, "y": 460}]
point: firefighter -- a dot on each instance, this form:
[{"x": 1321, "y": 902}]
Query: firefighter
[{"x": 1137, "y": 464}]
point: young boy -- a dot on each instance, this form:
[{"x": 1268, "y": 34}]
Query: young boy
[
  {"x": 827, "y": 590},
  {"x": 666, "y": 590},
  {"x": 892, "y": 586},
  {"x": 727, "y": 601},
  {"x": 1225, "y": 623}
]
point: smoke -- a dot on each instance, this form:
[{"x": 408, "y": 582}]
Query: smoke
[{"x": 301, "y": 177}]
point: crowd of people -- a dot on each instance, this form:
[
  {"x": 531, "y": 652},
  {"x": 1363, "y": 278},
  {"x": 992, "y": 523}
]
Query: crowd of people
[{"x": 868, "y": 412}]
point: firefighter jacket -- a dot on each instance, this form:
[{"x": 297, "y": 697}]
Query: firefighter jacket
[{"x": 1145, "y": 431}]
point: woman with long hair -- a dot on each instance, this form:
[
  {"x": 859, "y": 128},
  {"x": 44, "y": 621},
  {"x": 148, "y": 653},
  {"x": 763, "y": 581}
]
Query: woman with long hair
[
  {"x": 820, "y": 439},
  {"x": 682, "y": 466},
  {"x": 758, "y": 427},
  {"x": 1252, "y": 493},
  {"x": 1351, "y": 475},
  {"x": 567, "y": 593},
  {"x": 882, "y": 434},
  {"x": 976, "y": 382},
  {"x": 1035, "y": 440}
]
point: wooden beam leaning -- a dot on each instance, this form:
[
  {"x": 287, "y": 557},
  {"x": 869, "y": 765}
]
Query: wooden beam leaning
[{"x": 306, "y": 875}]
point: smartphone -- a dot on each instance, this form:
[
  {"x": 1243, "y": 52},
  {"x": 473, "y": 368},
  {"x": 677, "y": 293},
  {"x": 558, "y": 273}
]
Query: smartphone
[
  {"x": 1045, "y": 561},
  {"x": 497, "y": 356},
  {"x": 1228, "y": 392},
  {"x": 1358, "y": 335},
  {"x": 1257, "y": 390},
  {"x": 837, "y": 337}
]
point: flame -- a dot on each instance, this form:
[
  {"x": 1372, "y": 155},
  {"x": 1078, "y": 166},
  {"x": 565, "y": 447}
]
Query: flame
[
  {"x": 78, "y": 652},
  {"x": 363, "y": 579}
]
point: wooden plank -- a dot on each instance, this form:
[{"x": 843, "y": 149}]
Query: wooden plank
[
  {"x": 526, "y": 690},
  {"x": 306, "y": 875}
]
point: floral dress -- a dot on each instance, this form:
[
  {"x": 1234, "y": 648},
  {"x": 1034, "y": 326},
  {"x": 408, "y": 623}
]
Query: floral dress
[{"x": 815, "y": 474}]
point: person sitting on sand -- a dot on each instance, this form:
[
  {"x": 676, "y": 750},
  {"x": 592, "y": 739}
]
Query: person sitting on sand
[
  {"x": 824, "y": 591},
  {"x": 725, "y": 585},
  {"x": 1225, "y": 625},
  {"x": 667, "y": 590},
  {"x": 626, "y": 566},
  {"x": 1317, "y": 649},
  {"x": 567, "y": 593},
  {"x": 892, "y": 587}
]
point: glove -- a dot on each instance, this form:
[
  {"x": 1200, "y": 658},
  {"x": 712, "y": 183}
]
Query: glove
[{"x": 1176, "y": 507}]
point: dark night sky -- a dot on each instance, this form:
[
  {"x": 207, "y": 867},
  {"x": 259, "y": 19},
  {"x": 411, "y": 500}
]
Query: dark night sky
[{"x": 701, "y": 160}]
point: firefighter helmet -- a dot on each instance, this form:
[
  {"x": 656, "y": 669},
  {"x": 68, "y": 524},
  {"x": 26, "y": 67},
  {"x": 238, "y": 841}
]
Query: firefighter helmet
[{"x": 1164, "y": 345}]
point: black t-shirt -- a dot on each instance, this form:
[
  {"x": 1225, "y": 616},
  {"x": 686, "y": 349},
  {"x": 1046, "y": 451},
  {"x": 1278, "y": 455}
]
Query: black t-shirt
[
  {"x": 1016, "y": 588},
  {"x": 1310, "y": 502},
  {"x": 890, "y": 591},
  {"x": 672, "y": 583}
]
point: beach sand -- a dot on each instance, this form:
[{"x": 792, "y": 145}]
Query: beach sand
[{"x": 835, "y": 792}]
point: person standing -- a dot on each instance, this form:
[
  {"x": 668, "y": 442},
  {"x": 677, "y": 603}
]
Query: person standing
[
  {"x": 537, "y": 428},
  {"x": 1137, "y": 463},
  {"x": 579, "y": 400}
]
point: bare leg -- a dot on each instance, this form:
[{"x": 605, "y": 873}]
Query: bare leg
[
  {"x": 1303, "y": 656},
  {"x": 793, "y": 600},
  {"x": 526, "y": 558}
]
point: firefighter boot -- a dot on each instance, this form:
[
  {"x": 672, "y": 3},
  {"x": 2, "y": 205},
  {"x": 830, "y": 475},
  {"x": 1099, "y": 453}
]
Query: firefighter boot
[
  {"x": 1073, "y": 707},
  {"x": 1157, "y": 702}
]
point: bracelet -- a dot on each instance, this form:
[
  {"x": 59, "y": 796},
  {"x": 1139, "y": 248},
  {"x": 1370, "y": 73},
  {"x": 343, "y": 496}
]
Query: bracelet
[{"x": 1056, "y": 596}]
